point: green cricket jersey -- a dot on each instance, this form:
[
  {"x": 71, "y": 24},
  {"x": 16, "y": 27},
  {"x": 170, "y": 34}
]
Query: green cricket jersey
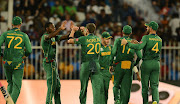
[
  {"x": 151, "y": 45},
  {"x": 123, "y": 52},
  {"x": 90, "y": 47},
  {"x": 105, "y": 54},
  {"x": 15, "y": 40},
  {"x": 49, "y": 47}
]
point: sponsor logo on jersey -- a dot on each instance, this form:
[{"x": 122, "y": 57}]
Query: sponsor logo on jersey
[
  {"x": 93, "y": 40},
  {"x": 105, "y": 53},
  {"x": 155, "y": 39}
]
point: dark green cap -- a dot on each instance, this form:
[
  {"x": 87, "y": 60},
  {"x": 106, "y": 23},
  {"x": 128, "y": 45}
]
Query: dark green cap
[
  {"x": 153, "y": 25},
  {"x": 106, "y": 35},
  {"x": 127, "y": 29},
  {"x": 17, "y": 20}
]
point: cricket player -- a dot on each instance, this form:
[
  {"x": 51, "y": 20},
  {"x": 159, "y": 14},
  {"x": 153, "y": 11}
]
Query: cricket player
[
  {"x": 48, "y": 42},
  {"x": 124, "y": 64},
  {"x": 150, "y": 68},
  {"x": 90, "y": 68},
  {"x": 17, "y": 47},
  {"x": 104, "y": 61}
]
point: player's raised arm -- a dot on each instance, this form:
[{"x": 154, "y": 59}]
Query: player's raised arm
[
  {"x": 28, "y": 50},
  {"x": 53, "y": 34},
  {"x": 64, "y": 37},
  {"x": 71, "y": 36}
]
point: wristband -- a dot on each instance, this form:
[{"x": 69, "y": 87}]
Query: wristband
[{"x": 70, "y": 38}]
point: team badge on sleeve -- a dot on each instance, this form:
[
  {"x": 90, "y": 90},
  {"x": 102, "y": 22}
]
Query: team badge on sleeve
[
  {"x": 141, "y": 42},
  {"x": 77, "y": 40}
]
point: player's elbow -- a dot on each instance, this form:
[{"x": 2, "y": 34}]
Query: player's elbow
[
  {"x": 69, "y": 41},
  {"x": 28, "y": 52}
]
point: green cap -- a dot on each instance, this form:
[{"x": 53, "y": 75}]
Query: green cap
[
  {"x": 106, "y": 35},
  {"x": 16, "y": 20},
  {"x": 153, "y": 25},
  {"x": 127, "y": 29}
]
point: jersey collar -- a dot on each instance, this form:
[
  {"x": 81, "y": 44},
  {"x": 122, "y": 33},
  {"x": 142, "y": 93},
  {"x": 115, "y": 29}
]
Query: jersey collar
[
  {"x": 15, "y": 28},
  {"x": 125, "y": 36},
  {"x": 153, "y": 34},
  {"x": 90, "y": 35},
  {"x": 104, "y": 46}
]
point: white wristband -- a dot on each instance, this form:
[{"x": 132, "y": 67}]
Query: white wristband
[{"x": 135, "y": 69}]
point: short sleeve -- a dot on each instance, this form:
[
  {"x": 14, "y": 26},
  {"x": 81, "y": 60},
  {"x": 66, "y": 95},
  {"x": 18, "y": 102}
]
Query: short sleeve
[{"x": 79, "y": 40}]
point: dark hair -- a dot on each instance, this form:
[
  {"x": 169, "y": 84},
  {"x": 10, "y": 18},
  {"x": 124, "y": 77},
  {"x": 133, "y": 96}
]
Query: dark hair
[
  {"x": 47, "y": 25},
  {"x": 91, "y": 27}
]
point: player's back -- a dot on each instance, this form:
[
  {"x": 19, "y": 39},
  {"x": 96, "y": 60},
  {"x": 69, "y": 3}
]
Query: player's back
[
  {"x": 14, "y": 45},
  {"x": 90, "y": 48},
  {"x": 124, "y": 53},
  {"x": 152, "y": 49}
]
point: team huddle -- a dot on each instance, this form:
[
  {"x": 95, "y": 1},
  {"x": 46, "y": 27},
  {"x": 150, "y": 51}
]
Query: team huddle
[{"x": 99, "y": 61}]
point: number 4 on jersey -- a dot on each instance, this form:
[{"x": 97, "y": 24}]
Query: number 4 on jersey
[{"x": 155, "y": 48}]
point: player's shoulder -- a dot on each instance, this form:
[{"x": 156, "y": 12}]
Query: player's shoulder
[
  {"x": 158, "y": 37},
  {"x": 82, "y": 37},
  {"x": 4, "y": 33},
  {"x": 44, "y": 34},
  {"x": 97, "y": 37},
  {"x": 8, "y": 31},
  {"x": 119, "y": 39},
  {"x": 145, "y": 36},
  {"x": 23, "y": 33}
]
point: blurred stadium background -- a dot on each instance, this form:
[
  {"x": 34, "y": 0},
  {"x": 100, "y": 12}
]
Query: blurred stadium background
[{"x": 108, "y": 15}]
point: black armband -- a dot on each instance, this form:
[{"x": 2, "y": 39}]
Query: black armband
[{"x": 70, "y": 38}]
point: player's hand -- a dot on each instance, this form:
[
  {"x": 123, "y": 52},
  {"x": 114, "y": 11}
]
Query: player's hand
[
  {"x": 124, "y": 41},
  {"x": 82, "y": 28},
  {"x": 63, "y": 25},
  {"x": 111, "y": 69},
  {"x": 134, "y": 41},
  {"x": 138, "y": 76},
  {"x": 75, "y": 28},
  {"x": 72, "y": 25}
]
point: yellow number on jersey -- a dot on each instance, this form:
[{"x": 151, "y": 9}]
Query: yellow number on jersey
[
  {"x": 124, "y": 46},
  {"x": 155, "y": 48},
  {"x": 16, "y": 46},
  {"x": 89, "y": 52},
  {"x": 12, "y": 38},
  {"x": 97, "y": 51}
]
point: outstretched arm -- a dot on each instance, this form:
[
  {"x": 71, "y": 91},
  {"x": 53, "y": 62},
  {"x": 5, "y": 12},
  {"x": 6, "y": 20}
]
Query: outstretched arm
[
  {"x": 138, "y": 46},
  {"x": 62, "y": 27},
  {"x": 71, "y": 36}
]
